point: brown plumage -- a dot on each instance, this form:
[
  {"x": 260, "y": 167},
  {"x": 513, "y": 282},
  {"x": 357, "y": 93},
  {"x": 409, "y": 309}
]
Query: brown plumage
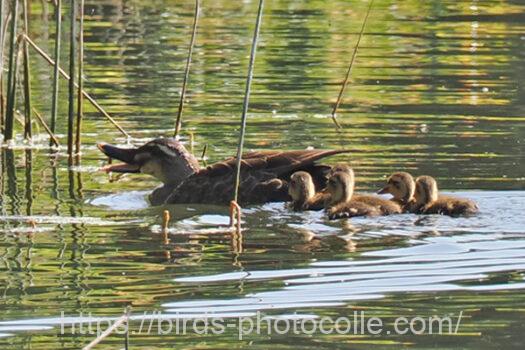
[
  {"x": 340, "y": 203},
  {"x": 429, "y": 201},
  {"x": 264, "y": 174}
]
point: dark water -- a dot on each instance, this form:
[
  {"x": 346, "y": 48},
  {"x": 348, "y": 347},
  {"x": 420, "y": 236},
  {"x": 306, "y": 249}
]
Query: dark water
[{"x": 437, "y": 89}]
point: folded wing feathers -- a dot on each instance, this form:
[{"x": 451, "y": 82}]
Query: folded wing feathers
[{"x": 274, "y": 161}]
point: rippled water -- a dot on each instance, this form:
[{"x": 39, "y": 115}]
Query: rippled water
[{"x": 436, "y": 89}]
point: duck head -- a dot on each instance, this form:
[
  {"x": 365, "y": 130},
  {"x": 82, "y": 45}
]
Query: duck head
[
  {"x": 341, "y": 187},
  {"x": 166, "y": 159},
  {"x": 301, "y": 187},
  {"x": 426, "y": 190},
  {"x": 401, "y": 186}
]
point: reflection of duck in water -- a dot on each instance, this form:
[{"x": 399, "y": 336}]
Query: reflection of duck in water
[
  {"x": 429, "y": 201},
  {"x": 264, "y": 174}
]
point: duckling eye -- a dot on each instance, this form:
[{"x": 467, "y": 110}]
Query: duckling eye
[{"x": 292, "y": 182}]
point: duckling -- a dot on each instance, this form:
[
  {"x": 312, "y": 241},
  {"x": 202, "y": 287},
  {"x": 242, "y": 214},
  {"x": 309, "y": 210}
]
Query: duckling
[
  {"x": 401, "y": 186},
  {"x": 386, "y": 207},
  {"x": 340, "y": 203},
  {"x": 302, "y": 190},
  {"x": 429, "y": 202}
]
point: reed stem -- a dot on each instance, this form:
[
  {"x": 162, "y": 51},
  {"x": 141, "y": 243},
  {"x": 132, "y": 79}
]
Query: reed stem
[
  {"x": 123, "y": 319},
  {"x": 247, "y": 98},
  {"x": 11, "y": 75},
  {"x": 52, "y": 138},
  {"x": 27, "y": 77},
  {"x": 80, "y": 84},
  {"x": 2, "y": 13},
  {"x": 72, "y": 72},
  {"x": 3, "y": 31},
  {"x": 178, "y": 123},
  {"x": 58, "y": 30},
  {"x": 91, "y": 100},
  {"x": 352, "y": 60}
]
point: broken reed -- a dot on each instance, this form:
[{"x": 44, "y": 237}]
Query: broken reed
[
  {"x": 187, "y": 70},
  {"x": 352, "y": 60},
  {"x": 91, "y": 100},
  {"x": 11, "y": 75}
]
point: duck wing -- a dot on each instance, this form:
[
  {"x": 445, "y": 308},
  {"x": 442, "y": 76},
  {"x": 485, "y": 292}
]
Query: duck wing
[{"x": 264, "y": 177}]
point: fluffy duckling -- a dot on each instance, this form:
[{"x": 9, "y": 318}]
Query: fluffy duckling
[
  {"x": 340, "y": 203},
  {"x": 429, "y": 202},
  {"x": 401, "y": 186},
  {"x": 302, "y": 190},
  {"x": 386, "y": 207}
]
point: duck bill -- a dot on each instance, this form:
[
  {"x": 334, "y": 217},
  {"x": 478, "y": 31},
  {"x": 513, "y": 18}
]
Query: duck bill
[
  {"x": 384, "y": 190},
  {"x": 125, "y": 155}
]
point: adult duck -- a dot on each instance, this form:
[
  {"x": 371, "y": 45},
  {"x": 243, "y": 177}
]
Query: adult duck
[{"x": 264, "y": 174}]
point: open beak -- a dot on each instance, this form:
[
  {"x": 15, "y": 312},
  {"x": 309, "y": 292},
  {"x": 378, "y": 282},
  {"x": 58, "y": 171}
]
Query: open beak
[
  {"x": 125, "y": 155},
  {"x": 384, "y": 190}
]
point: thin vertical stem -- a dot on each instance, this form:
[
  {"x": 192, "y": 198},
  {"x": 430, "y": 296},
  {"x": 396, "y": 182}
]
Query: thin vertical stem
[
  {"x": 72, "y": 52},
  {"x": 347, "y": 77},
  {"x": 80, "y": 97},
  {"x": 2, "y": 12},
  {"x": 58, "y": 30},
  {"x": 178, "y": 123},
  {"x": 27, "y": 76},
  {"x": 11, "y": 76},
  {"x": 247, "y": 98},
  {"x": 2, "y": 75}
]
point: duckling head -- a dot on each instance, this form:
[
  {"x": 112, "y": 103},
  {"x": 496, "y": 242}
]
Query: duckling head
[
  {"x": 341, "y": 187},
  {"x": 340, "y": 167},
  {"x": 401, "y": 186},
  {"x": 426, "y": 190},
  {"x": 301, "y": 187}
]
